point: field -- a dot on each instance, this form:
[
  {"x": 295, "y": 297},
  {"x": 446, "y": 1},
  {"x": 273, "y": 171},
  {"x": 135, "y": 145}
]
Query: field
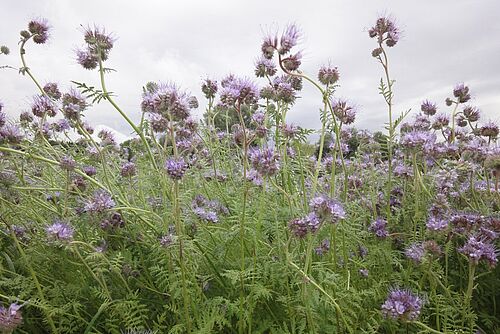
[{"x": 241, "y": 222}]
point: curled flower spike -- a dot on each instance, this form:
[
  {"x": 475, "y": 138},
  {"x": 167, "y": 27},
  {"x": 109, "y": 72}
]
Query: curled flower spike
[
  {"x": 60, "y": 231},
  {"x": 289, "y": 39},
  {"x": 428, "y": 108},
  {"x": 461, "y": 92},
  {"x": 385, "y": 30},
  {"x": 402, "y": 305},
  {"x": 328, "y": 75},
  {"x": 176, "y": 168},
  {"x": 264, "y": 161},
  {"x": 344, "y": 112},
  {"x": 265, "y": 67},
  {"x": 39, "y": 30},
  {"x": 209, "y": 88}
]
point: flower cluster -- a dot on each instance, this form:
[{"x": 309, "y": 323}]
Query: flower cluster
[
  {"x": 379, "y": 228},
  {"x": 402, "y": 305},
  {"x": 176, "y": 168},
  {"x": 38, "y": 29},
  {"x": 265, "y": 161},
  {"x": 60, "y": 230},
  {"x": 98, "y": 45},
  {"x": 385, "y": 30},
  {"x": 101, "y": 201},
  {"x": 477, "y": 249},
  {"x": 208, "y": 210}
]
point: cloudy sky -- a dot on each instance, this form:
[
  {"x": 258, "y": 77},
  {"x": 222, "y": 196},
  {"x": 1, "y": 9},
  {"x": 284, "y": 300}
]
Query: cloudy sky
[{"x": 444, "y": 42}]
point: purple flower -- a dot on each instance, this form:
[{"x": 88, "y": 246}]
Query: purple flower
[
  {"x": 402, "y": 305},
  {"x": 461, "y": 92},
  {"x": 89, "y": 170},
  {"x": 11, "y": 134},
  {"x": 489, "y": 129},
  {"x": 100, "y": 202},
  {"x": 437, "y": 224},
  {"x": 301, "y": 226},
  {"x": 477, "y": 249},
  {"x": 265, "y": 161},
  {"x": 209, "y": 88},
  {"x": 323, "y": 247},
  {"x": 386, "y": 31},
  {"x": 39, "y": 29},
  {"x": 428, "y": 108},
  {"x": 3, "y": 117},
  {"x": 344, "y": 112},
  {"x": 265, "y": 67},
  {"x": 328, "y": 75},
  {"x": 43, "y": 105},
  {"x": 472, "y": 114},
  {"x": 169, "y": 101},
  {"x": 60, "y": 231},
  {"x": 254, "y": 177},
  {"x": 238, "y": 91},
  {"x": 10, "y": 318},
  {"x": 176, "y": 168},
  {"x": 379, "y": 228},
  {"x": 418, "y": 140},
  {"x": 52, "y": 90},
  {"x": 67, "y": 163},
  {"x": 208, "y": 210},
  {"x": 327, "y": 209},
  {"x": 128, "y": 169},
  {"x": 86, "y": 59},
  {"x": 415, "y": 252},
  {"x": 289, "y": 39}
]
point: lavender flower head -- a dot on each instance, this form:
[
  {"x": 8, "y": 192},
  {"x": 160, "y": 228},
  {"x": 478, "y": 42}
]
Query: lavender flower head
[
  {"x": 344, "y": 112},
  {"x": 128, "y": 169},
  {"x": 208, "y": 210},
  {"x": 209, "y": 88},
  {"x": 265, "y": 68},
  {"x": 327, "y": 209},
  {"x": 42, "y": 105},
  {"x": 490, "y": 130},
  {"x": 300, "y": 227},
  {"x": 385, "y": 30},
  {"x": 100, "y": 202},
  {"x": 265, "y": 161},
  {"x": 176, "y": 168},
  {"x": 10, "y": 318},
  {"x": 60, "y": 231},
  {"x": 415, "y": 252},
  {"x": 289, "y": 39},
  {"x": 67, "y": 163},
  {"x": 477, "y": 249},
  {"x": 402, "y": 305},
  {"x": 328, "y": 75},
  {"x": 437, "y": 224},
  {"x": 39, "y": 28},
  {"x": 379, "y": 228},
  {"x": 238, "y": 91},
  {"x": 461, "y": 92},
  {"x": 428, "y": 108}
]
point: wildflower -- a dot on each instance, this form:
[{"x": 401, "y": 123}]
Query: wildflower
[
  {"x": 209, "y": 88},
  {"x": 417, "y": 139},
  {"x": 11, "y": 134},
  {"x": 114, "y": 222},
  {"x": 89, "y": 170},
  {"x": 379, "y": 228},
  {"x": 61, "y": 125},
  {"x": 59, "y": 230},
  {"x": 436, "y": 224},
  {"x": 301, "y": 226},
  {"x": 265, "y": 67},
  {"x": 461, "y": 92},
  {"x": 477, "y": 249},
  {"x": 254, "y": 177},
  {"x": 128, "y": 169},
  {"x": 176, "y": 168},
  {"x": 328, "y": 75},
  {"x": 323, "y": 247},
  {"x": 51, "y": 90},
  {"x": 292, "y": 62},
  {"x": 402, "y": 305},
  {"x": 86, "y": 59},
  {"x": 169, "y": 238},
  {"x": 208, "y": 210},
  {"x": 101, "y": 201},
  {"x": 3, "y": 117},
  {"x": 265, "y": 161},
  {"x": 415, "y": 252},
  {"x": 289, "y": 131},
  {"x": 327, "y": 209},
  {"x": 238, "y": 91},
  {"x": 428, "y": 108},
  {"x": 289, "y": 39},
  {"x": 386, "y": 31},
  {"x": 169, "y": 101},
  {"x": 432, "y": 248},
  {"x": 472, "y": 114},
  {"x": 42, "y": 105},
  {"x": 344, "y": 112},
  {"x": 490, "y": 129},
  {"x": 39, "y": 29},
  {"x": 107, "y": 138},
  {"x": 67, "y": 163},
  {"x": 10, "y": 318}
]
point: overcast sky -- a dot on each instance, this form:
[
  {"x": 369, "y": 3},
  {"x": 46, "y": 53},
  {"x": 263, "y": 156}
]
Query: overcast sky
[{"x": 444, "y": 42}]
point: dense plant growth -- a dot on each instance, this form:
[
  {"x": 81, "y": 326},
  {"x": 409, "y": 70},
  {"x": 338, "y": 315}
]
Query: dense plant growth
[{"x": 235, "y": 223}]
